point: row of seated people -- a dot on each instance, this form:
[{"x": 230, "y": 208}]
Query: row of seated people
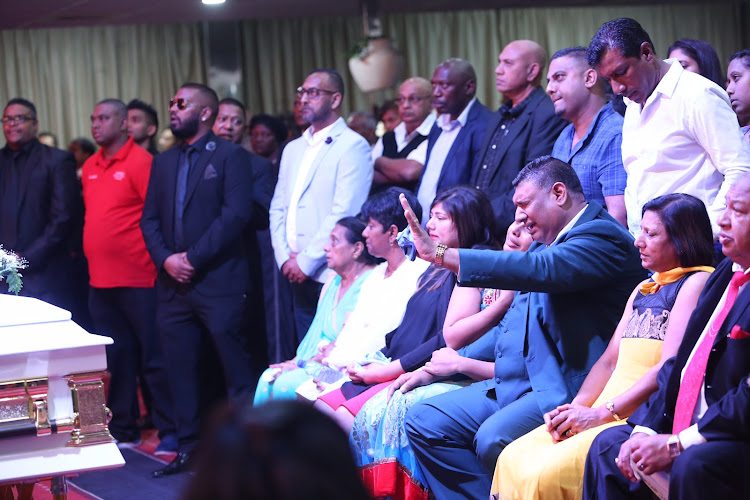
[{"x": 447, "y": 337}]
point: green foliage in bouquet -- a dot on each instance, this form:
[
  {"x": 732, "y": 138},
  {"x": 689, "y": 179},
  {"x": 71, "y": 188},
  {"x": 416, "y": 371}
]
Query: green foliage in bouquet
[{"x": 10, "y": 263}]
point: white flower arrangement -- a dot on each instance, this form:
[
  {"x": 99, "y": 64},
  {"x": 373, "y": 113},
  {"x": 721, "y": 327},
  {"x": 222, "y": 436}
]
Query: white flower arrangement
[{"x": 10, "y": 263}]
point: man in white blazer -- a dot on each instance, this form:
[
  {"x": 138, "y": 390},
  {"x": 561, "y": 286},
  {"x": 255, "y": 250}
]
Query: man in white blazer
[{"x": 324, "y": 175}]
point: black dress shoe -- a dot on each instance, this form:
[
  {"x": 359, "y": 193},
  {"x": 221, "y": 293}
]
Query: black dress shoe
[{"x": 180, "y": 463}]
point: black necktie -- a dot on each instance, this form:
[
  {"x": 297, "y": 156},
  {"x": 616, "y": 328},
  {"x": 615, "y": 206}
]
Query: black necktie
[{"x": 179, "y": 200}]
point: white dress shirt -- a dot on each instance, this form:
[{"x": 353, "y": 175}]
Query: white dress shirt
[
  {"x": 314, "y": 143},
  {"x": 443, "y": 145},
  {"x": 686, "y": 139}
]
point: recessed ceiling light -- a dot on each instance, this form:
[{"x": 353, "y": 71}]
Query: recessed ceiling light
[{"x": 212, "y": 2}]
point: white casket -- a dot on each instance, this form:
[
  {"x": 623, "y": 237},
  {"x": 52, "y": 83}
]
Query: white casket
[{"x": 53, "y": 421}]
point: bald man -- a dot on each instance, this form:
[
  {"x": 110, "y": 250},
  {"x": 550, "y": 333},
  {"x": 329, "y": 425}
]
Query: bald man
[
  {"x": 591, "y": 144},
  {"x": 523, "y": 129},
  {"x": 399, "y": 155}
]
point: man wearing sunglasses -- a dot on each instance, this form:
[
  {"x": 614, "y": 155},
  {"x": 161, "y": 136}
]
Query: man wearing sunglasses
[
  {"x": 323, "y": 176},
  {"x": 39, "y": 203},
  {"x": 198, "y": 206}
]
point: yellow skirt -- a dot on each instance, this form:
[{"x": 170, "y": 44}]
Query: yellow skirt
[{"x": 533, "y": 467}]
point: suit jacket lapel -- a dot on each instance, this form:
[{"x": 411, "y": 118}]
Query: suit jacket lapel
[
  {"x": 515, "y": 129},
  {"x": 334, "y": 134},
  {"x": 198, "y": 170}
]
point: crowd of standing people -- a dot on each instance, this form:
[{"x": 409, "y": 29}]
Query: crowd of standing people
[{"x": 590, "y": 350}]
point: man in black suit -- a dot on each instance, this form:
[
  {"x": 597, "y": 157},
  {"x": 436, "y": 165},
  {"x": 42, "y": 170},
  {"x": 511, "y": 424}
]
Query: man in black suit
[
  {"x": 696, "y": 424},
  {"x": 523, "y": 129},
  {"x": 39, "y": 202},
  {"x": 230, "y": 125},
  {"x": 198, "y": 205}
]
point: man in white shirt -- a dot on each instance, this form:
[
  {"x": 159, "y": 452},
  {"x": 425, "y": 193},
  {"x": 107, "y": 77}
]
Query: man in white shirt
[
  {"x": 456, "y": 137},
  {"x": 399, "y": 155},
  {"x": 696, "y": 424},
  {"x": 323, "y": 176},
  {"x": 680, "y": 134}
]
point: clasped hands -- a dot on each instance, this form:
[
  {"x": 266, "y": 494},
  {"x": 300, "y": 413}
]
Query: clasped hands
[
  {"x": 291, "y": 270},
  {"x": 178, "y": 266},
  {"x": 570, "y": 419},
  {"x": 648, "y": 453}
]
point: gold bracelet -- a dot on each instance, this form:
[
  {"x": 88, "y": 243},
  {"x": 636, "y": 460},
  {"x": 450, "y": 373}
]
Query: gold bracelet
[
  {"x": 440, "y": 253},
  {"x": 611, "y": 407}
]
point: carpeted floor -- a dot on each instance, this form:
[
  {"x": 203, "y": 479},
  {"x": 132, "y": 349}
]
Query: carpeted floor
[{"x": 132, "y": 481}]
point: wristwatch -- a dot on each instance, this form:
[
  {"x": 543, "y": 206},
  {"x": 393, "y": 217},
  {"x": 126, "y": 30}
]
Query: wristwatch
[
  {"x": 674, "y": 447},
  {"x": 440, "y": 253},
  {"x": 611, "y": 407}
]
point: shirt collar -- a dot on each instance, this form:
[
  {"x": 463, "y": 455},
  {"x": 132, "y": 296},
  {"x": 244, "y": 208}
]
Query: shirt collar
[
  {"x": 570, "y": 224},
  {"x": 313, "y": 138},
  {"x": 510, "y": 111},
  {"x": 25, "y": 149},
  {"x": 121, "y": 154},
  {"x": 444, "y": 121},
  {"x": 667, "y": 84}
]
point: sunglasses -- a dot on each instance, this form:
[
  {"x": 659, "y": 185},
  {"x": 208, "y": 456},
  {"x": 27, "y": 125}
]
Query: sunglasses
[{"x": 181, "y": 103}]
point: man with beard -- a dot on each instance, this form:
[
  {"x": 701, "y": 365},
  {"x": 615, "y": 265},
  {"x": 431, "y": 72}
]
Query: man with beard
[
  {"x": 121, "y": 296},
  {"x": 324, "y": 176},
  {"x": 198, "y": 205}
]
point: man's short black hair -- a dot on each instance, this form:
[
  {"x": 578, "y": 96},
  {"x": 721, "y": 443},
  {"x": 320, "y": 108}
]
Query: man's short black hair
[
  {"x": 23, "y": 102},
  {"x": 119, "y": 106},
  {"x": 86, "y": 145},
  {"x": 146, "y": 108},
  {"x": 334, "y": 78},
  {"x": 624, "y": 35},
  {"x": 545, "y": 171},
  {"x": 207, "y": 92},
  {"x": 576, "y": 52},
  {"x": 234, "y": 102}
]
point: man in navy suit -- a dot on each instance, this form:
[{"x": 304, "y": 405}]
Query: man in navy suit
[
  {"x": 198, "y": 206},
  {"x": 523, "y": 129},
  {"x": 704, "y": 441},
  {"x": 573, "y": 283},
  {"x": 39, "y": 205},
  {"x": 455, "y": 139}
]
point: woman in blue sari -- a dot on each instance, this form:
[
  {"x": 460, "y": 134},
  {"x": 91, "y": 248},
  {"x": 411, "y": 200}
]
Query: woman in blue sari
[{"x": 347, "y": 255}]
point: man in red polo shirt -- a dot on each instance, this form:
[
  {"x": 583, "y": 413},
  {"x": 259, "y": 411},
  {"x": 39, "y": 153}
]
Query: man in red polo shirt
[{"x": 122, "y": 299}]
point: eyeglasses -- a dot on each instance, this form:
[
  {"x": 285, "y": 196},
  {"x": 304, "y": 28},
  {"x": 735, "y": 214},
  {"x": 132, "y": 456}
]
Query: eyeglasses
[
  {"x": 412, "y": 99},
  {"x": 313, "y": 93},
  {"x": 181, "y": 103},
  {"x": 17, "y": 119}
]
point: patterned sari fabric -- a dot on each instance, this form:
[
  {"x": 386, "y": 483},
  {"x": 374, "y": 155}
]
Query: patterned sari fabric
[
  {"x": 328, "y": 322},
  {"x": 382, "y": 451}
]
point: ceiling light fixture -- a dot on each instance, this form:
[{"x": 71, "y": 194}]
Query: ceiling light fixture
[{"x": 212, "y": 2}]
